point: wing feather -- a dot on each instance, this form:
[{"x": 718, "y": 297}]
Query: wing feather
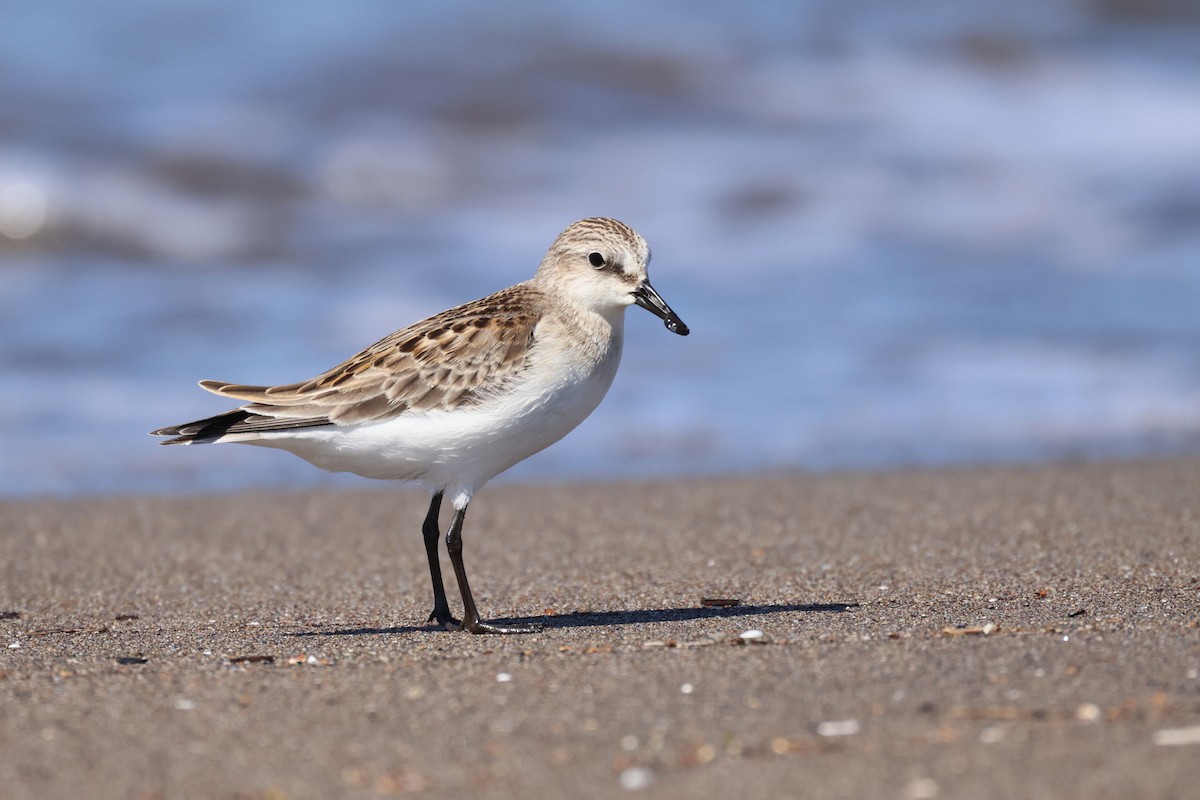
[{"x": 452, "y": 359}]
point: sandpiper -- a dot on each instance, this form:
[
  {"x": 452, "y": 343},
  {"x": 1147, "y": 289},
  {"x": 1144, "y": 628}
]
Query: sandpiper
[{"x": 454, "y": 400}]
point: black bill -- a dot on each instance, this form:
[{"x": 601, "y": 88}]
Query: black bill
[{"x": 645, "y": 296}]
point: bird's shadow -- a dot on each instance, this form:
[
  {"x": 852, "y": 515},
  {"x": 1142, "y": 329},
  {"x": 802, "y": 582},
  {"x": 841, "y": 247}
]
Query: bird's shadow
[{"x": 596, "y": 619}]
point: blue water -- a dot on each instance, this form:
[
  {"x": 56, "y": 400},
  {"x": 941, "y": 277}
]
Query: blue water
[{"x": 929, "y": 233}]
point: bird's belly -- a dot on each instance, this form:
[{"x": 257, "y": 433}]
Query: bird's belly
[{"x": 464, "y": 447}]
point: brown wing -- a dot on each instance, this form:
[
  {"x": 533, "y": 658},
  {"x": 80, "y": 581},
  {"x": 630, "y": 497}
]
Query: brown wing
[{"x": 449, "y": 360}]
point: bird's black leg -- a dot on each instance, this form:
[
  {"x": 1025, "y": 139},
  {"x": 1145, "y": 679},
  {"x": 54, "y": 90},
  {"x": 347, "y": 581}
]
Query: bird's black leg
[
  {"x": 441, "y": 609},
  {"x": 471, "y": 621}
]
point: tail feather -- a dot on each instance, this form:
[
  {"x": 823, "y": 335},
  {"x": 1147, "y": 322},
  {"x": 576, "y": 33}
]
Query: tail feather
[{"x": 213, "y": 429}]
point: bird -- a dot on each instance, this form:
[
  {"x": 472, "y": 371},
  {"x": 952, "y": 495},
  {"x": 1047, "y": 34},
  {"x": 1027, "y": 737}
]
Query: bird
[{"x": 454, "y": 400}]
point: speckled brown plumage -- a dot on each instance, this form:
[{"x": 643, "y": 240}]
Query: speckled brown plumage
[{"x": 446, "y": 361}]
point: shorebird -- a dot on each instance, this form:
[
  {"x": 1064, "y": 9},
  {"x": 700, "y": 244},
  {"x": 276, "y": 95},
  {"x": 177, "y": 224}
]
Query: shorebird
[{"x": 456, "y": 399}]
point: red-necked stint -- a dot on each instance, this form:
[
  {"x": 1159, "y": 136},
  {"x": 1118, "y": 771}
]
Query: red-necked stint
[{"x": 456, "y": 399}]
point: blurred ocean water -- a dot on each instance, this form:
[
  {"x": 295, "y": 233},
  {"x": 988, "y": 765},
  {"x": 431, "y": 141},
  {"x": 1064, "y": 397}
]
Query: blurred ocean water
[{"x": 921, "y": 233}]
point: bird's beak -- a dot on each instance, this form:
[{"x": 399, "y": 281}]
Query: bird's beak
[{"x": 645, "y": 296}]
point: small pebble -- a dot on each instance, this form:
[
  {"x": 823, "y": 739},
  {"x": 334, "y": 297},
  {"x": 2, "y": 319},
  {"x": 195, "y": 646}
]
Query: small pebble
[
  {"x": 503, "y": 677},
  {"x": 15, "y": 646},
  {"x": 922, "y": 789},
  {"x": 1088, "y": 712},
  {"x": 635, "y": 779},
  {"x": 184, "y": 705},
  {"x": 991, "y": 735},
  {"x": 750, "y": 635},
  {"x": 840, "y": 727},
  {"x": 1175, "y": 737},
  {"x": 687, "y": 688}
]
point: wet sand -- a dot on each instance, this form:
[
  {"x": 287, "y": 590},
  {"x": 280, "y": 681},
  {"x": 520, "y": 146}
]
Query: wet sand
[{"x": 1017, "y": 632}]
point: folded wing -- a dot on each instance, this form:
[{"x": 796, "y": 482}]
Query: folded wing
[{"x": 452, "y": 359}]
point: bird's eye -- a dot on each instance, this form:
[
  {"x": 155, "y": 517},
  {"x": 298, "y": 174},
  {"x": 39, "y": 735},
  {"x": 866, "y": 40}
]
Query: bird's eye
[{"x": 596, "y": 260}]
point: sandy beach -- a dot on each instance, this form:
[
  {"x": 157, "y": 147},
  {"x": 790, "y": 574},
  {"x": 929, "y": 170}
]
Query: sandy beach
[{"x": 1028, "y": 632}]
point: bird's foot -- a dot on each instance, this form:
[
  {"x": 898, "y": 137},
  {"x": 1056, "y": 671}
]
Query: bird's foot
[{"x": 444, "y": 620}]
